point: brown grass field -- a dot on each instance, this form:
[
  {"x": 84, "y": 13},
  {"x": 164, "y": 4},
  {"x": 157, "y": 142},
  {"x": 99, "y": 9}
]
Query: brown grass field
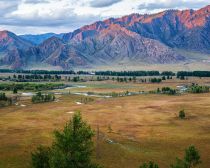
[{"x": 143, "y": 127}]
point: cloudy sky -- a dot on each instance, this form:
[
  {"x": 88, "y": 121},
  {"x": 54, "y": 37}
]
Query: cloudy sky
[{"x": 41, "y": 16}]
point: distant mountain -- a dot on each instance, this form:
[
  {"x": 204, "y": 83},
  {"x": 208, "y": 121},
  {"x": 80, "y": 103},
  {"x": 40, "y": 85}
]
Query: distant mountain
[
  {"x": 133, "y": 39},
  {"x": 57, "y": 53},
  {"x": 188, "y": 29},
  {"x": 38, "y": 39},
  {"x": 12, "y": 49},
  {"x": 117, "y": 44}
]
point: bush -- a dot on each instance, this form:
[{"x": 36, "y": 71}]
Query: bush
[
  {"x": 4, "y": 100},
  {"x": 40, "y": 98},
  {"x": 155, "y": 80},
  {"x": 168, "y": 90},
  {"x": 191, "y": 159},
  {"x": 198, "y": 89},
  {"x": 3, "y": 97},
  {"x": 15, "y": 90},
  {"x": 149, "y": 165},
  {"x": 40, "y": 158},
  {"x": 182, "y": 114},
  {"x": 192, "y": 156},
  {"x": 163, "y": 78}
]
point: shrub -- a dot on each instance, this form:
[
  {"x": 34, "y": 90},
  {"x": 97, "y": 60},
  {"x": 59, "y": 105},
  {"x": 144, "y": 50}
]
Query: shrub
[
  {"x": 40, "y": 158},
  {"x": 191, "y": 159},
  {"x": 198, "y": 89},
  {"x": 168, "y": 90},
  {"x": 182, "y": 114},
  {"x": 39, "y": 98},
  {"x": 149, "y": 165},
  {"x": 4, "y": 100},
  {"x": 155, "y": 80}
]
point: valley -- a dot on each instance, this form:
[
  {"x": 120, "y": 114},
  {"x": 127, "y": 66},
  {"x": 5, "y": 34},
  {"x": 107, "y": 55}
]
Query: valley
[
  {"x": 104, "y": 84},
  {"x": 133, "y": 128}
]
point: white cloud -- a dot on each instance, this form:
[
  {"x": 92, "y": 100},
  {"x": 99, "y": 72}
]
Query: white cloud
[
  {"x": 103, "y": 3},
  {"x": 38, "y": 16},
  {"x": 172, "y": 4}
]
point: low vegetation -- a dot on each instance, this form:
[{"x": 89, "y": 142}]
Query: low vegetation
[
  {"x": 190, "y": 160},
  {"x": 149, "y": 165},
  {"x": 86, "y": 100},
  {"x": 155, "y": 80},
  {"x": 166, "y": 90},
  {"x": 41, "y": 98},
  {"x": 182, "y": 114},
  {"x": 4, "y": 100},
  {"x": 198, "y": 89}
]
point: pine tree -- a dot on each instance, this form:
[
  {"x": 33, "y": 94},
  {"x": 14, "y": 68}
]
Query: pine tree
[{"x": 72, "y": 147}]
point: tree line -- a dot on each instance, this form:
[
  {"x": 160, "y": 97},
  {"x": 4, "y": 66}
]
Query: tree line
[
  {"x": 30, "y": 86},
  {"x": 193, "y": 73},
  {"x": 35, "y": 71},
  {"x": 128, "y": 73},
  {"x": 111, "y": 73},
  {"x": 37, "y": 76}
]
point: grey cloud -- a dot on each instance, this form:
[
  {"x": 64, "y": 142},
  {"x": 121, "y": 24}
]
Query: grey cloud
[
  {"x": 36, "y": 1},
  {"x": 8, "y": 7},
  {"x": 103, "y": 3},
  {"x": 65, "y": 18},
  {"x": 172, "y": 4},
  {"x": 73, "y": 21}
]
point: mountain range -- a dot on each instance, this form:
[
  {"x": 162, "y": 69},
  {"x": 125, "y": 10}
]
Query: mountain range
[{"x": 132, "y": 39}]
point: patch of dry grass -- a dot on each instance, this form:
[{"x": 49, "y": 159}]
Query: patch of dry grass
[{"x": 144, "y": 127}]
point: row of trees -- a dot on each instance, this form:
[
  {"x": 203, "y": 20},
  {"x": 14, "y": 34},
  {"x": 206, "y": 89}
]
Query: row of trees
[
  {"x": 113, "y": 73},
  {"x": 193, "y": 73},
  {"x": 73, "y": 147},
  {"x": 40, "y": 98},
  {"x": 128, "y": 73},
  {"x": 37, "y": 77},
  {"x": 30, "y": 86},
  {"x": 35, "y": 71},
  {"x": 154, "y": 73},
  {"x": 135, "y": 73}
]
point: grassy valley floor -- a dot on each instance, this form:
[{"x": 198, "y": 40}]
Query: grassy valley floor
[{"x": 133, "y": 129}]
